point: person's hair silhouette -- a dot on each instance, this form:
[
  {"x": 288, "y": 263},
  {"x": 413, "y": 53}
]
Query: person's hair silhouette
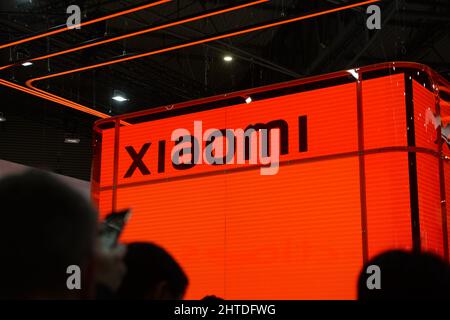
[
  {"x": 46, "y": 227},
  {"x": 406, "y": 275},
  {"x": 152, "y": 274}
]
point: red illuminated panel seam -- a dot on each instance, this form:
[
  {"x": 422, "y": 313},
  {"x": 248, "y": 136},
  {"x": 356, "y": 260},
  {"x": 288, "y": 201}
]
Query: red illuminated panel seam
[
  {"x": 388, "y": 202},
  {"x": 447, "y": 194},
  {"x": 104, "y": 202},
  {"x": 424, "y": 108},
  {"x": 107, "y": 158},
  {"x": 430, "y": 215},
  {"x": 86, "y": 23},
  {"x": 384, "y": 111},
  {"x": 429, "y": 204}
]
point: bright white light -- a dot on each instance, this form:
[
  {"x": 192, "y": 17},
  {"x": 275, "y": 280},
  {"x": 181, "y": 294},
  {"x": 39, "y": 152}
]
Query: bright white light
[
  {"x": 228, "y": 58},
  {"x": 27, "y": 64},
  {"x": 354, "y": 73},
  {"x": 72, "y": 140},
  {"x": 2, "y": 117},
  {"x": 120, "y": 98},
  {"x": 248, "y": 100}
]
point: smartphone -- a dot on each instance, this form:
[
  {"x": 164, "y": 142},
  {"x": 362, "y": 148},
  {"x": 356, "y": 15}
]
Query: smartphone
[{"x": 111, "y": 228}]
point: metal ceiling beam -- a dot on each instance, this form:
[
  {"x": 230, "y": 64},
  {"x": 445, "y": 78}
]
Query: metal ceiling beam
[
  {"x": 388, "y": 13},
  {"x": 344, "y": 36},
  {"x": 242, "y": 54},
  {"x": 418, "y": 15},
  {"x": 64, "y": 62}
]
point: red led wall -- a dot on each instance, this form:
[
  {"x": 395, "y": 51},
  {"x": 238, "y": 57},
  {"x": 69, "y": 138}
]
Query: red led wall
[
  {"x": 299, "y": 234},
  {"x": 431, "y": 232},
  {"x": 386, "y": 170}
]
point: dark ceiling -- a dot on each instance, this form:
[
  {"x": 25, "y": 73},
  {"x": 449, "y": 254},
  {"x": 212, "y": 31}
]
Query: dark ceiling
[{"x": 414, "y": 30}]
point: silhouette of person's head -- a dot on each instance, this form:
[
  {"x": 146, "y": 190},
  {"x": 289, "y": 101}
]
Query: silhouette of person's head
[
  {"x": 406, "y": 275},
  {"x": 152, "y": 274},
  {"x": 212, "y": 299},
  {"x": 47, "y": 227}
]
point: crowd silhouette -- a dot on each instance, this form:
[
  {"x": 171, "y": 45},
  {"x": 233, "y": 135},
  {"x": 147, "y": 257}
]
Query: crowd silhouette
[{"x": 47, "y": 227}]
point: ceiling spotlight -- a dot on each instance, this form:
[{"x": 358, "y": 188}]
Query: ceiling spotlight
[
  {"x": 119, "y": 96},
  {"x": 27, "y": 64},
  {"x": 248, "y": 100},
  {"x": 72, "y": 140},
  {"x": 228, "y": 58},
  {"x": 2, "y": 117}
]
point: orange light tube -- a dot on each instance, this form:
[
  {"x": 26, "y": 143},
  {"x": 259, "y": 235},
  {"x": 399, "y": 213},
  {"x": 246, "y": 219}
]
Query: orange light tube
[
  {"x": 101, "y": 115},
  {"x": 55, "y": 99},
  {"x": 64, "y": 29},
  {"x": 7, "y": 66},
  {"x": 148, "y": 30},
  {"x": 30, "y": 82},
  {"x": 58, "y": 100},
  {"x": 202, "y": 41},
  {"x": 152, "y": 29}
]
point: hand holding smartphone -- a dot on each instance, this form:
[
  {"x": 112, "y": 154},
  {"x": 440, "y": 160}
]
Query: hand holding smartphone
[
  {"x": 112, "y": 227},
  {"x": 111, "y": 268}
]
